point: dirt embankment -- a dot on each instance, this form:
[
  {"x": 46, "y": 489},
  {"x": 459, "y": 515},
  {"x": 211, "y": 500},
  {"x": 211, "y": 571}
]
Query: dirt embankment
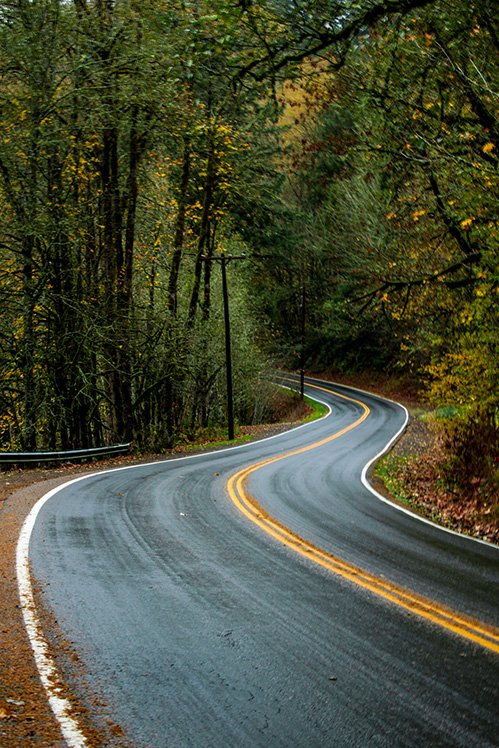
[{"x": 416, "y": 470}]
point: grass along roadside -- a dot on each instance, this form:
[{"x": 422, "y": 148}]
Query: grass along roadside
[{"x": 298, "y": 411}]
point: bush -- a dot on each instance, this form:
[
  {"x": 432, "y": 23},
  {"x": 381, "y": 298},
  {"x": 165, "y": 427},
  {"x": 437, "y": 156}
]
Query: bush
[{"x": 472, "y": 444}]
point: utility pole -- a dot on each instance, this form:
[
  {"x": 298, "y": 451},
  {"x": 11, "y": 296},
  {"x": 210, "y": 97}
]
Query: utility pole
[
  {"x": 302, "y": 346},
  {"x": 224, "y": 260},
  {"x": 228, "y": 354}
]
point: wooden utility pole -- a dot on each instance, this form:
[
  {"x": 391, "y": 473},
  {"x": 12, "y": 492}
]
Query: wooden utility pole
[
  {"x": 302, "y": 344},
  {"x": 224, "y": 260},
  {"x": 228, "y": 354}
]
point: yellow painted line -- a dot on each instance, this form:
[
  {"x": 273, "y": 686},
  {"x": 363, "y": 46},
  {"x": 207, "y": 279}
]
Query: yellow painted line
[{"x": 473, "y": 630}]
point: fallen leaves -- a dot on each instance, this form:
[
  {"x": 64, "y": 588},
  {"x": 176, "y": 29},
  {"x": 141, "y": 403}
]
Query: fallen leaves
[{"x": 420, "y": 476}]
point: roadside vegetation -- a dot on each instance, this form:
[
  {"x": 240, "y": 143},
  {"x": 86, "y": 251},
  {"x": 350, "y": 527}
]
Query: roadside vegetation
[
  {"x": 285, "y": 409},
  {"x": 338, "y": 160},
  {"x": 419, "y": 473}
]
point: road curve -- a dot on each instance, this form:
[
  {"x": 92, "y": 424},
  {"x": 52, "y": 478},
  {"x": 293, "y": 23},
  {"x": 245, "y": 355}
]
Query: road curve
[{"x": 195, "y": 627}]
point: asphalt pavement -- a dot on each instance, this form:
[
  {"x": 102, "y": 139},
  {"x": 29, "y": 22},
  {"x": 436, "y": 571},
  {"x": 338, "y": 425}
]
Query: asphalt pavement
[{"x": 194, "y": 627}]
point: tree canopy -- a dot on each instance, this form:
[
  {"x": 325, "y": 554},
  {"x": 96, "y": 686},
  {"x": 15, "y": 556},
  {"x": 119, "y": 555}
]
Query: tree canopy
[{"x": 347, "y": 149}]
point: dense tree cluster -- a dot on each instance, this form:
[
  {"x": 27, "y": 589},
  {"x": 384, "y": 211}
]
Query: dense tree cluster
[
  {"x": 349, "y": 149},
  {"x": 392, "y": 169},
  {"x": 120, "y": 142}
]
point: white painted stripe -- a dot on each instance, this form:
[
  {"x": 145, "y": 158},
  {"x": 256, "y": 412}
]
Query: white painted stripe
[{"x": 49, "y": 676}]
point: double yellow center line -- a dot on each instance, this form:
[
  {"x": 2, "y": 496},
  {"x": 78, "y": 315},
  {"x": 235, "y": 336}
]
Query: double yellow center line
[{"x": 475, "y": 631}]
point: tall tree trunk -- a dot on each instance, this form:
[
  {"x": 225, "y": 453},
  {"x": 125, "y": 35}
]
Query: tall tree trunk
[
  {"x": 179, "y": 228},
  {"x": 208, "y": 269},
  {"x": 204, "y": 231},
  {"x": 124, "y": 282},
  {"x": 112, "y": 252},
  {"x": 28, "y": 435},
  {"x": 27, "y": 213}
]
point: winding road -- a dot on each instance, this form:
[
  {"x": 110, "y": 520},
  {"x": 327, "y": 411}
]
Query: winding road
[{"x": 264, "y": 596}]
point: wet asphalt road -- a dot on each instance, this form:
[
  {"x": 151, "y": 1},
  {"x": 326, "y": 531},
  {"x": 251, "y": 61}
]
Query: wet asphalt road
[{"x": 195, "y": 628}]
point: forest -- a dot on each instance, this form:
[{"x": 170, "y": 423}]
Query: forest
[{"x": 339, "y": 156}]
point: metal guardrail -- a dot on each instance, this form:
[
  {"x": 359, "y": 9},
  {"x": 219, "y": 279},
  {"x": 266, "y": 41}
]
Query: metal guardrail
[{"x": 21, "y": 458}]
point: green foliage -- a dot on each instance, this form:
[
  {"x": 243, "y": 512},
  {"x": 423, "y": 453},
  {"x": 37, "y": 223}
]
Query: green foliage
[
  {"x": 388, "y": 469},
  {"x": 141, "y": 140},
  {"x": 118, "y": 157},
  {"x": 392, "y": 163}
]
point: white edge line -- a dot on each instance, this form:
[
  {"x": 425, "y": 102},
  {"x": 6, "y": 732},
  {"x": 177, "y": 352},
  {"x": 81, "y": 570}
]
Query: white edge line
[
  {"x": 49, "y": 676},
  {"x": 385, "y": 449},
  {"x": 47, "y": 670}
]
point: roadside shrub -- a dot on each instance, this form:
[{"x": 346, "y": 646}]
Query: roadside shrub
[{"x": 472, "y": 446}]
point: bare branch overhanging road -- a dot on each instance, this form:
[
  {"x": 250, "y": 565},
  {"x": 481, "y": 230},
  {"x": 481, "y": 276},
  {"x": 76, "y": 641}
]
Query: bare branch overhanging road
[{"x": 198, "y": 628}]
